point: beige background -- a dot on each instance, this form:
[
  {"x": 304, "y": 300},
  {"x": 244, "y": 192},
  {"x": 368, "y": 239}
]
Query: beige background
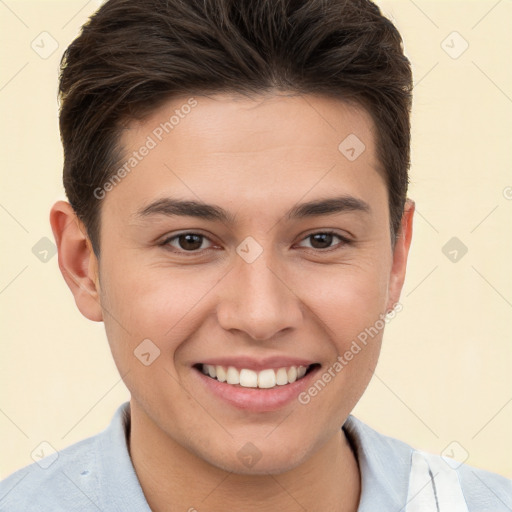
[{"x": 446, "y": 368}]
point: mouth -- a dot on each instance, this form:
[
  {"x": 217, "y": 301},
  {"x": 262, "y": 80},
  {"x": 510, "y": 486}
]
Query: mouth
[
  {"x": 255, "y": 386},
  {"x": 267, "y": 378}
]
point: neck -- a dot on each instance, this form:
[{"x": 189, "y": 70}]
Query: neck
[{"x": 170, "y": 475}]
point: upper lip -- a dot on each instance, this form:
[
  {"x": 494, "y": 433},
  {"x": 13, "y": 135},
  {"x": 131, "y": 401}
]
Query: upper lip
[{"x": 251, "y": 363}]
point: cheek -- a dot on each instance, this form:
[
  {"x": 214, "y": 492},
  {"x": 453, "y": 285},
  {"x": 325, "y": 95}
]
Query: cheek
[
  {"x": 152, "y": 303},
  {"x": 349, "y": 298},
  {"x": 350, "y": 307}
]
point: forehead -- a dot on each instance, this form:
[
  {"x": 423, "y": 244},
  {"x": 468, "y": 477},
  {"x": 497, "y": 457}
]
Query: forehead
[
  {"x": 235, "y": 123},
  {"x": 229, "y": 148}
]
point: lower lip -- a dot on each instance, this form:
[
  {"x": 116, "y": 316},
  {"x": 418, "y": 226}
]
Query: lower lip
[{"x": 257, "y": 399}]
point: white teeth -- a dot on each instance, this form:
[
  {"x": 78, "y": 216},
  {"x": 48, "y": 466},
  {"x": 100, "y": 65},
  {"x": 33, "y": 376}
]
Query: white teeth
[
  {"x": 232, "y": 375},
  {"x": 264, "y": 379},
  {"x": 281, "y": 377},
  {"x": 221, "y": 374},
  {"x": 301, "y": 371},
  {"x": 248, "y": 379}
]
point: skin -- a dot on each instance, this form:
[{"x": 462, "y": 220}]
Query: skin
[{"x": 256, "y": 158}]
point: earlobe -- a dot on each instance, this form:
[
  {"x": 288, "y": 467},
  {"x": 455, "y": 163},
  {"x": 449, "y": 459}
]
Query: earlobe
[
  {"x": 77, "y": 261},
  {"x": 400, "y": 254}
]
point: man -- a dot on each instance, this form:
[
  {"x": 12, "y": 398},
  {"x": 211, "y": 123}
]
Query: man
[{"x": 237, "y": 182}]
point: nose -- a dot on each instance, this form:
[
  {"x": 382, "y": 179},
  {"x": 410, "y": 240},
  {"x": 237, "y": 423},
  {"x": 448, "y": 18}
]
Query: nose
[{"x": 259, "y": 300}]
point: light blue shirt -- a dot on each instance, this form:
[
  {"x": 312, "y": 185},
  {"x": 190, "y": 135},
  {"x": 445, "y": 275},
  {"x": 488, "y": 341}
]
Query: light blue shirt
[{"x": 97, "y": 474}]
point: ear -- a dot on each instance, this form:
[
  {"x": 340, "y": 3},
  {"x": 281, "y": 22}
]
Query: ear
[
  {"x": 77, "y": 261},
  {"x": 400, "y": 254}
]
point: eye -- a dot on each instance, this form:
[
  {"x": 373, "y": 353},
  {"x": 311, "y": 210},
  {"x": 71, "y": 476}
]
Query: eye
[
  {"x": 190, "y": 242},
  {"x": 185, "y": 242},
  {"x": 323, "y": 240}
]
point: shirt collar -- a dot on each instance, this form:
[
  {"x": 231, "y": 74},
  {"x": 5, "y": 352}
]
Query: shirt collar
[
  {"x": 119, "y": 483},
  {"x": 384, "y": 465}
]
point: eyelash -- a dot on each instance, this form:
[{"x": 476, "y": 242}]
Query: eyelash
[{"x": 344, "y": 241}]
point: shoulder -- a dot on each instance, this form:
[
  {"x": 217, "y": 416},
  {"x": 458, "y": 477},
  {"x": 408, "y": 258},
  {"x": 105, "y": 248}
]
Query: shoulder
[
  {"x": 58, "y": 481},
  {"x": 416, "y": 475},
  {"x": 94, "y": 474},
  {"x": 485, "y": 490}
]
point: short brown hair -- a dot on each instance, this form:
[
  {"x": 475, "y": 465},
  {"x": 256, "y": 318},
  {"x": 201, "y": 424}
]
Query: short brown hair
[{"x": 132, "y": 55}]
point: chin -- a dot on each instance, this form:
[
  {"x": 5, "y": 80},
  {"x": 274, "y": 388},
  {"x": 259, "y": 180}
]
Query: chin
[
  {"x": 257, "y": 458},
  {"x": 269, "y": 464}
]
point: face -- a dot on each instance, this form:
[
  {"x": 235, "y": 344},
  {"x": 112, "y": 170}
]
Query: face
[{"x": 283, "y": 260}]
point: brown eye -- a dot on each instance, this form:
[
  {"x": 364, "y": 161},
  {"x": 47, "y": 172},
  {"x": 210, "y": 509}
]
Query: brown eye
[
  {"x": 321, "y": 240},
  {"x": 185, "y": 242},
  {"x": 324, "y": 240},
  {"x": 190, "y": 242}
]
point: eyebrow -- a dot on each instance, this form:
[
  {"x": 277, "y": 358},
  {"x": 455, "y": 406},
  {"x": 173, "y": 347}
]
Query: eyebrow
[{"x": 319, "y": 207}]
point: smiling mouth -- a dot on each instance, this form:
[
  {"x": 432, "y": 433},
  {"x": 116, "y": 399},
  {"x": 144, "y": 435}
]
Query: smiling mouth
[{"x": 264, "y": 379}]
